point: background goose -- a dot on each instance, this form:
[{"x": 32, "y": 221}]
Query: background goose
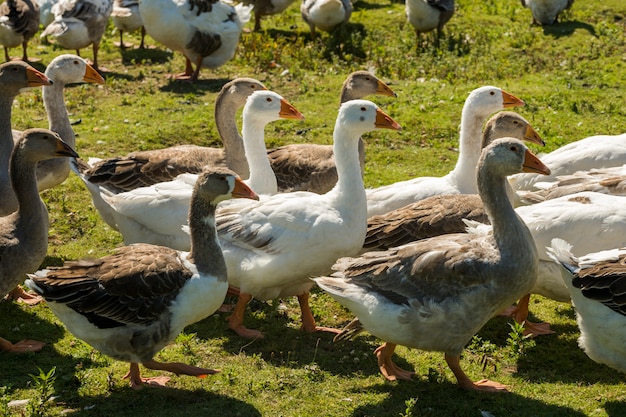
[
  {"x": 19, "y": 21},
  {"x": 156, "y": 214},
  {"x": 325, "y": 15},
  {"x": 145, "y": 168},
  {"x": 206, "y": 32},
  {"x": 427, "y": 15},
  {"x": 266, "y": 8},
  {"x": 443, "y": 214},
  {"x": 603, "y": 180},
  {"x": 546, "y": 12},
  {"x": 126, "y": 18},
  {"x": 131, "y": 304},
  {"x": 24, "y": 233},
  {"x": 311, "y": 167},
  {"x": 79, "y": 23},
  {"x": 596, "y": 284},
  {"x": 481, "y": 103},
  {"x": 273, "y": 247},
  {"x": 600, "y": 151},
  {"x": 436, "y": 294}
]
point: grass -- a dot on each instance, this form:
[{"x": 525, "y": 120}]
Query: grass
[{"x": 572, "y": 77}]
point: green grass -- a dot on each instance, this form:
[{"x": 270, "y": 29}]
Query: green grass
[{"x": 573, "y": 79}]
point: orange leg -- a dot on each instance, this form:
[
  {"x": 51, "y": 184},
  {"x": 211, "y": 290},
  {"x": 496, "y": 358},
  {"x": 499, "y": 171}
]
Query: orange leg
[
  {"x": 466, "y": 383},
  {"x": 519, "y": 313},
  {"x": 137, "y": 382},
  {"x": 235, "y": 320},
  {"x": 388, "y": 368},
  {"x": 308, "y": 321},
  {"x": 22, "y": 296},
  {"x": 20, "y": 347}
]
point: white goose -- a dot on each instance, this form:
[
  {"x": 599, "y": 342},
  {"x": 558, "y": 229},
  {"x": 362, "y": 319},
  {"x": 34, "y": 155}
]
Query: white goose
[
  {"x": 156, "y": 214},
  {"x": 145, "y": 168},
  {"x": 267, "y": 8},
  {"x": 311, "y": 167},
  {"x": 325, "y": 15},
  {"x": 428, "y": 15},
  {"x": 546, "y": 12},
  {"x": 610, "y": 180},
  {"x": 206, "y": 32},
  {"x": 79, "y": 23},
  {"x": 596, "y": 284},
  {"x": 272, "y": 248},
  {"x": 481, "y": 103},
  {"x": 24, "y": 232},
  {"x": 19, "y": 21},
  {"x": 126, "y": 18},
  {"x": 131, "y": 304},
  {"x": 435, "y": 294}
]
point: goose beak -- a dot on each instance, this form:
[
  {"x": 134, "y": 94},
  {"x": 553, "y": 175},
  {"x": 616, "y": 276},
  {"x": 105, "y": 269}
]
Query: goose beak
[
  {"x": 36, "y": 78},
  {"x": 92, "y": 76},
  {"x": 532, "y": 136},
  {"x": 384, "y": 90},
  {"x": 510, "y": 100},
  {"x": 241, "y": 190},
  {"x": 385, "y": 122},
  {"x": 63, "y": 149},
  {"x": 287, "y": 111},
  {"x": 533, "y": 164}
]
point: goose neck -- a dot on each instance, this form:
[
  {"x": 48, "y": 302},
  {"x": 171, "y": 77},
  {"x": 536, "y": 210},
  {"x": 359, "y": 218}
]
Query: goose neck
[
  {"x": 226, "y": 124},
  {"x": 6, "y": 147},
  {"x": 58, "y": 117},
  {"x": 206, "y": 252},
  {"x": 24, "y": 183},
  {"x": 345, "y": 149},
  {"x": 470, "y": 141},
  {"x": 262, "y": 178}
]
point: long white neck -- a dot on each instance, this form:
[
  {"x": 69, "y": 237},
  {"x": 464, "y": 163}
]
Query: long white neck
[
  {"x": 262, "y": 178},
  {"x": 470, "y": 143},
  {"x": 345, "y": 148}
]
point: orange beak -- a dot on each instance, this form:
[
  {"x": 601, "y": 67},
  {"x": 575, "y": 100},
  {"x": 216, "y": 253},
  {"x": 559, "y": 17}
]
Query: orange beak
[
  {"x": 383, "y": 121},
  {"x": 534, "y": 165},
  {"x": 287, "y": 111}
]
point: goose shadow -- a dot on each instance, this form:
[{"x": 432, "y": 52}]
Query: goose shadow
[{"x": 560, "y": 30}]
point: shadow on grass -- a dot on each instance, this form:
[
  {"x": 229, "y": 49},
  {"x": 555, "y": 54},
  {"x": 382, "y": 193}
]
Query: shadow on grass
[
  {"x": 560, "y": 30},
  {"x": 615, "y": 408}
]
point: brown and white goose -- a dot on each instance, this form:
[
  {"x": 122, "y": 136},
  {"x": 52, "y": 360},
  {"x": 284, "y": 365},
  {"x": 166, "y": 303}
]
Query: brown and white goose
[
  {"x": 24, "y": 233},
  {"x": 145, "y": 168},
  {"x": 435, "y": 294},
  {"x": 311, "y": 167},
  {"x": 131, "y": 304},
  {"x": 19, "y": 21},
  {"x": 428, "y": 15}
]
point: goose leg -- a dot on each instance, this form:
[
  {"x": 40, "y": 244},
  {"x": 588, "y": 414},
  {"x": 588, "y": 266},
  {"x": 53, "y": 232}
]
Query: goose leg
[
  {"x": 21, "y": 347},
  {"x": 20, "y": 295},
  {"x": 235, "y": 320},
  {"x": 466, "y": 383},
  {"x": 188, "y": 71},
  {"x": 308, "y": 321},
  {"x": 143, "y": 35},
  {"x": 388, "y": 368},
  {"x": 520, "y": 314},
  {"x": 137, "y": 382}
]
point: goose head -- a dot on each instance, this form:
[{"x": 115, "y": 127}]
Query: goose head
[
  {"x": 510, "y": 124},
  {"x": 68, "y": 68},
  {"x": 20, "y": 75},
  {"x": 267, "y": 106},
  {"x": 222, "y": 184},
  {"x": 360, "y": 84},
  {"x": 40, "y": 144},
  {"x": 361, "y": 116},
  {"x": 513, "y": 157},
  {"x": 489, "y": 99}
]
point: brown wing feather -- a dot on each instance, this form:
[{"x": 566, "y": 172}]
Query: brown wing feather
[{"x": 605, "y": 282}]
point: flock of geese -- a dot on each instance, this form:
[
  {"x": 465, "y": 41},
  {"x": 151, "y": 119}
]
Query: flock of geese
[
  {"x": 205, "y": 32},
  {"x": 423, "y": 263}
]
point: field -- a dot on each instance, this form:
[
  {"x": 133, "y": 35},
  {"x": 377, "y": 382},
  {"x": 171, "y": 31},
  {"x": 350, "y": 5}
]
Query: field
[{"x": 572, "y": 77}]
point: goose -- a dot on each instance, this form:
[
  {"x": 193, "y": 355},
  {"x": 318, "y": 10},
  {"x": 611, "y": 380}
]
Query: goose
[
  {"x": 126, "y": 18},
  {"x": 596, "y": 284},
  {"x": 14, "y": 77},
  {"x": 311, "y": 167},
  {"x": 79, "y": 23},
  {"x": 427, "y": 15},
  {"x": 546, "y": 12},
  {"x": 206, "y": 32},
  {"x": 273, "y": 247},
  {"x": 19, "y": 21},
  {"x": 24, "y": 233},
  {"x": 443, "y": 214},
  {"x": 129, "y": 305},
  {"x": 145, "y": 168},
  {"x": 45, "y": 12},
  {"x": 599, "y": 151},
  {"x": 266, "y": 8},
  {"x": 435, "y": 294},
  {"x": 325, "y": 15},
  {"x": 156, "y": 214},
  {"x": 481, "y": 103},
  {"x": 63, "y": 70},
  {"x": 610, "y": 180}
]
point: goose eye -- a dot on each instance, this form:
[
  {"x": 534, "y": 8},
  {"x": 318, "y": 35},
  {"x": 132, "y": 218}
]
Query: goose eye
[
  {"x": 269, "y": 99},
  {"x": 363, "y": 109},
  {"x": 514, "y": 148},
  {"x": 492, "y": 93}
]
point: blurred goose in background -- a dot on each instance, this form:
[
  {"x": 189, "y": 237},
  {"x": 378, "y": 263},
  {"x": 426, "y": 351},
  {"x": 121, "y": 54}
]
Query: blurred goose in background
[
  {"x": 157, "y": 214},
  {"x": 435, "y": 294},
  {"x": 273, "y": 247},
  {"x": 126, "y": 18},
  {"x": 266, "y": 8},
  {"x": 206, "y": 32},
  {"x": 45, "y": 11},
  {"x": 145, "y": 168},
  {"x": 19, "y": 21},
  {"x": 444, "y": 214},
  {"x": 596, "y": 283},
  {"x": 600, "y": 151},
  {"x": 62, "y": 70},
  {"x": 311, "y": 167},
  {"x": 603, "y": 180},
  {"x": 129, "y": 305},
  {"x": 546, "y": 12},
  {"x": 481, "y": 103},
  {"x": 427, "y": 15},
  {"x": 325, "y": 15},
  {"x": 79, "y": 23},
  {"x": 24, "y": 232}
]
